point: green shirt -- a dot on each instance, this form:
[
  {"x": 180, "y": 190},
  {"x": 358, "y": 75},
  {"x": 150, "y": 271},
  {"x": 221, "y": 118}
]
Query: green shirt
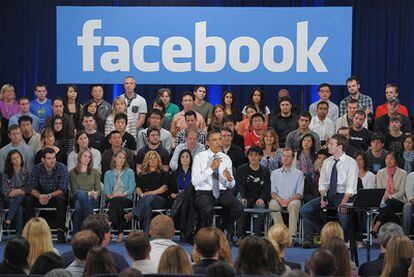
[
  {"x": 84, "y": 181},
  {"x": 171, "y": 110},
  {"x": 206, "y": 109}
]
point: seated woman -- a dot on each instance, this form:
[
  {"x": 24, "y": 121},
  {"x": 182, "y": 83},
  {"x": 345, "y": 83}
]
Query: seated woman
[
  {"x": 14, "y": 187},
  {"x": 306, "y": 155},
  {"x": 119, "y": 185},
  {"x": 48, "y": 141},
  {"x": 64, "y": 140},
  {"x": 85, "y": 184},
  {"x": 120, "y": 106},
  {"x": 151, "y": 188},
  {"x": 82, "y": 143},
  {"x": 272, "y": 154},
  {"x": 216, "y": 118},
  {"x": 180, "y": 189},
  {"x": 393, "y": 179}
]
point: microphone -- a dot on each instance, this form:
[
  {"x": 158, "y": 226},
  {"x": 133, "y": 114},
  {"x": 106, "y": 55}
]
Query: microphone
[{"x": 324, "y": 199}]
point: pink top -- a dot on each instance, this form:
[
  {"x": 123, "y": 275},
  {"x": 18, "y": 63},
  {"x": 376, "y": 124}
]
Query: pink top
[{"x": 8, "y": 110}]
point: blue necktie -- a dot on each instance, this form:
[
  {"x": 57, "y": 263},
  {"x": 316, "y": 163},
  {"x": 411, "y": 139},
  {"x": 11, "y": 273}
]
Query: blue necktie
[
  {"x": 333, "y": 183},
  {"x": 216, "y": 187}
]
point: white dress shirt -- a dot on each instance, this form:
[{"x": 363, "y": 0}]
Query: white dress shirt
[
  {"x": 325, "y": 129},
  {"x": 202, "y": 174},
  {"x": 333, "y": 110},
  {"x": 347, "y": 174}
]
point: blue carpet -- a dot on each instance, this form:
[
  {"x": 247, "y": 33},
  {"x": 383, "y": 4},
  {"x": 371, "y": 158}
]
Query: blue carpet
[{"x": 294, "y": 254}]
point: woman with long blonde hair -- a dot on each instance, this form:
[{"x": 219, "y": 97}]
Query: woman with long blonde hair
[
  {"x": 331, "y": 229},
  {"x": 152, "y": 188},
  {"x": 174, "y": 260},
  {"x": 120, "y": 106},
  {"x": 399, "y": 247},
  {"x": 38, "y": 233},
  {"x": 281, "y": 238},
  {"x": 8, "y": 103}
]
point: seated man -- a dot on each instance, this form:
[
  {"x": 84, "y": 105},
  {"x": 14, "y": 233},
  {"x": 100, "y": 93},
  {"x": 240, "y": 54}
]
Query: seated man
[
  {"x": 191, "y": 144},
  {"x": 382, "y": 123},
  {"x": 391, "y": 90},
  {"x": 408, "y": 207},
  {"x": 49, "y": 184},
  {"x": 155, "y": 119},
  {"x": 287, "y": 185},
  {"x": 376, "y": 154},
  {"x": 230, "y": 122},
  {"x": 128, "y": 140},
  {"x": 322, "y": 263},
  {"x": 293, "y": 138},
  {"x": 253, "y": 187},
  {"x": 213, "y": 181},
  {"x": 162, "y": 232},
  {"x": 359, "y": 136},
  {"x": 81, "y": 243},
  {"x": 207, "y": 244},
  {"x": 100, "y": 225},
  {"x": 337, "y": 185},
  {"x": 138, "y": 247},
  {"x": 235, "y": 153},
  {"x": 252, "y": 138}
]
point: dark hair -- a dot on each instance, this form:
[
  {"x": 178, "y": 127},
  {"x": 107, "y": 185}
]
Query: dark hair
[
  {"x": 130, "y": 272},
  {"x": 378, "y": 136},
  {"x": 221, "y": 269},
  {"x": 87, "y": 114},
  {"x": 257, "y": 115},
  {"x": 21, "y": 98},
  {"x": 323, "y": 152},
  {"x": 227, "y": 129},
  {"x": 120, "y": 116},
  {"x": 322, "y": 262},
  {"x": 253, "y": 258},
  {"x": 393, "y": 86},
  {"x": 255, "y": 149},
  {"x": 324, "y": 85},
  {"x": 156, "y": 112},
  {"x": 188, "y": 93},
  {"x": 190, "y": 113},
  {"x": 151, "y": 129},
  {"x": 361, "y": 112},
  {"x": 207, "y": 242},
  {"x": 57, "y": 99},
  {"x": 78, "y": 134},
  {"x": 12, "y": 127},
  {"x": 180, "y": 166},
  {"x": 312, "y": 150},
  {"x": 112, "y": 133},
  {"x": 233, "y": 103},
  {"x": 253, "y": 107},
  {"x": 285, "y": 98},
  {"x": 97, "y": 223},
  {"x": 352, "y": 78},
  {"x": 25, "y": 118},
  {"x": 306, "y": 114},
  {"x": 396, "y": 117},
  {"x": 339, "y": 249},
  {"x": 83, "y": 241},
  {"x": 45, "y": 263},
  {"x": 341, "y": 140},
  {"x": 159, "y": 102},
  {"x": 353, "y": 101},
  {"x": 393, "y": 154},
  {"x": 275, "y": 264},
  {"x": 138, "y": 245},
  {"x": 86, "y": 106},
  {"x": 97, "y": 85},
  {"x": 262, "y": 103},
  {"x": 196, "y": 87},
  {"x": 364, "y": 158},
  {"x": 322, "y": 103},
  {"x": 99, "y": 261},
  {"x": 75, "y": 88},
  {"x": 162, "y": 90},
  {"x": 212, "y": 132},
  {"x": 45, "y": 151},
  {"x": 40, "y": 85},
  {"x": 8, "y": 167},
  {"x": 52, "y": 123},
  {"x": 229, "y": 118},
  {"x": 16, "y": 252}
]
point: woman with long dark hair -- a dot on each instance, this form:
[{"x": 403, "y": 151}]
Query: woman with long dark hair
[
  {"x": 99, "y": 261},
  {"x": 306, "y": 155},
  {"x": 71, "y": 106},
  {"x": 180, "y": 191},
  {"x": 14, "y": 188},
  {"x": 48, "y": 140},
  {"x": 82, "y": 143},
  {"x": 228, "y": 101},
  {"x": 15, "y": 257},
  {"x": 92, "y": 108},
  {"x": 61, "y": 139},
  {"x": 257, "y": 99}
]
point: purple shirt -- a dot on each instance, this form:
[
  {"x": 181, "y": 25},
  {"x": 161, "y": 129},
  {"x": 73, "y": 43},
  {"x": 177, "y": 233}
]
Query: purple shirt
[{"x": 8, "y": 111}]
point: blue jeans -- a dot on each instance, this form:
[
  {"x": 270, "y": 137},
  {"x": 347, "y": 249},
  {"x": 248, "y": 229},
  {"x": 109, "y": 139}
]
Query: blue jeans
[
  {"x": 313, "y": 221},
  {"x": 16, "y": 212},
  {"x": 407, "y": 218},
  {"x": 144, "y": 209},
  {"x": 84, "y": 206}
]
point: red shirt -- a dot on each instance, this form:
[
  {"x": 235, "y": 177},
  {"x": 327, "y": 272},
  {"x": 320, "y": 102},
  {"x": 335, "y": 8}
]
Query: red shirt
[
  {"x": 250, "y": 139},
  {"x": 383, "y": 109}
]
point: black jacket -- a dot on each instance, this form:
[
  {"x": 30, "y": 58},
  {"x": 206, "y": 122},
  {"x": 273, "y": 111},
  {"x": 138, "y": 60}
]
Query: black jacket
[
  {"x": 202, "y": 265},
  {"x": 283, "y": 126},
  {"x": 310, "y": 190},
  {"x": 236, "y": 155},
  {"x": 262, "y": 192},
  {"x": 373, "y": 268}
]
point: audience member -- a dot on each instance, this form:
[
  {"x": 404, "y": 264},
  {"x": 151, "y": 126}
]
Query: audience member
[
  {"x": 29, "y": 135},
  {"x": 190, "y": 118},
  {"x": 82, "y": 242},
  {"x": 45, "y": 263},
  {"x": 252, "y": 138},
  {"x": 394, "y": 138},
  {"x": 99, "y": 261},
  {"x": 287, "y": 185},
  {"x": 130, "y": 272},
  {"x": 175, "y": 260},
  {"x": 234, "y": 152},
  {"x": 285, "y": 121},
  {"x": 391, "y": 90},
  {"x": 324, "y": 91},
  {"x": 244, "y": 126},
  {"x": 171, "y": 109},
  {"x": 257, "y": 99},
  {"x": 15, "y": 257},
  {"x": 61, "y": 138},
  {"x": 346, "y": 120},
  {"x": 115, "y": 139},
  {"x": 8, "y": 104},
  {"x": 382, "y": 123},
  {"x": 207, "y": 244},
  {"x": 329, "y": 230},
  {"x": 398, "y": 247},
  {"x": 82, "y": 144},
  {"x": 71, "y": 106},
  {"x": 120, "y": 106},
  {"x": 41, "y": 106},
  {"x": 216, "y": 118},
  {"x": 191, "y": 143},
  {"x": 47, "y": 139},
  {"x": 230, "y": 122},
  {"x": 229, "y": 103},
  {"x": 294, "y": 138},
  {"x": 221, "y": 269},
  {"x": 24, "y": 110},
  {"x": 311, "y": 183},
  {"x": 364, "y": 101},
  {"x": 322, "y": 263},
  {"x": 138, "y": 247},
  {"x": 67, "y": 122},
  {"x": 272, "y": 154},
  {"x": 306, "y": 155},
  {"x": 157, "y": 104},
  {"x": 281, "y": 94},
  {"x": 96, "y": 138},
  {"x": 119, "y": 185},
  {"x": 253, "y": 258},
  {"x": 224, "y": 253},
  {"x": 155, "y": 117},
  {"x": 376, "y": 154},
  {"x": 321, "y": 123},
  {"x": 386, "y": 232},
  {"x": 200, "y": 105},
  {"x": 92, "y": 108},
  {"x": 359, "y": 137},
  {"x": 349, "y": 149},
  {"x": 408, "y": 207},
  {"x": 103, "y": 107},
  {"x": 408, "y": 154},
  {"x": 338, "y": 248},
  {"x": 366, "y": 176},
  {"x": 128, "y": 140}
]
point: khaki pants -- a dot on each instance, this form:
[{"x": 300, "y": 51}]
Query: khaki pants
[{"x": 293, "y": 210}]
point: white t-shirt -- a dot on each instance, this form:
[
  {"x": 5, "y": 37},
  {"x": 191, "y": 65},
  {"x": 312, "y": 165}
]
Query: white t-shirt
[{"x": 136, "y": 106}]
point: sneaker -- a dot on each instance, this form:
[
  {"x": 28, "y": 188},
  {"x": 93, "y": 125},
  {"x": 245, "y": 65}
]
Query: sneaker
[
  {"x": 307, "y": 244},
  {"x": 61, "y": 236}
]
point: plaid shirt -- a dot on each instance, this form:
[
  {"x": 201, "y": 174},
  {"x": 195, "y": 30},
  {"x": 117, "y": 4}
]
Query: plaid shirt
[
  {"x": 180, "y": 138},
  {"x": 364, "y": 102},
  {"x": 41, "y": 181}
]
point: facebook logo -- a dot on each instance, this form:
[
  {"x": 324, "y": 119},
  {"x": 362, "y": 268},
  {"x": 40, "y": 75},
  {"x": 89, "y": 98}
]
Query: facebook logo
[{"x": 204, "y": 45}]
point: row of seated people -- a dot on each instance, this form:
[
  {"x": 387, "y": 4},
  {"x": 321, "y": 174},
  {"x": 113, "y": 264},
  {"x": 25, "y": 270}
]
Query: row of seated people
[
  {"x": 211, "y": 254},
  {"x": 255, "y": 186}
]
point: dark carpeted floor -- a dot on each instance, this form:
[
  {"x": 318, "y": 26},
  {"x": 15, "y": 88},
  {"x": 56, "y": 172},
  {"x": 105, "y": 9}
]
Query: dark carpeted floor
[{"x": 294, "y": 254}]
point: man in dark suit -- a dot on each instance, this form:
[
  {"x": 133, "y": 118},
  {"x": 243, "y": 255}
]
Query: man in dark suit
[
  {"x": 386, "y": 232},
  {"x": 99, "y": 224},
  {"x": 207, "y": 244}
]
